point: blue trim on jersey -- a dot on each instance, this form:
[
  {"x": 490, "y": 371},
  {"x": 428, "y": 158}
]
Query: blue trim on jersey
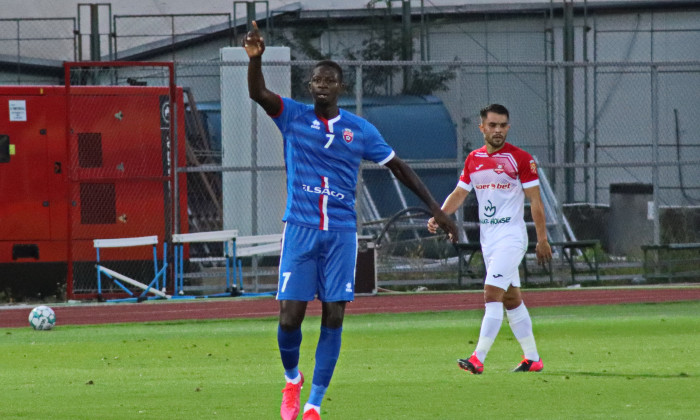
[{"x": 322, "y": 165}]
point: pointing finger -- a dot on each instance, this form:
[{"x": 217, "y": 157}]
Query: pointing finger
[{"x": 255, "y": 25}]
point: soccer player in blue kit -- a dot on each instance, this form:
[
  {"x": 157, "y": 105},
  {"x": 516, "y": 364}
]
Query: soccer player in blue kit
[{"x": 323, "y": 148}]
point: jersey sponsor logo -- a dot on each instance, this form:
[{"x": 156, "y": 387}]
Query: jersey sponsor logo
[
  {"x": 322, "y": 191},
  {"x": 533, "y": 167},
  {"x": 495, "y": 221},
  {"x": 347, "y": 135},
  {"x": 499, "y": 169},
  {"x": 316, "y": 125},
  {"x": 489, "y": 210},
  {"x": 494, "y": 186},
  {"x": 348, "y": 287}
]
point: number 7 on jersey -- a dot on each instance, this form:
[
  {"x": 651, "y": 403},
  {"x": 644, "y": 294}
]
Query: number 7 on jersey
[{"x": 286, "y": 276}]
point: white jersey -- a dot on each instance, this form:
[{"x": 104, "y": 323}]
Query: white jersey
[{"x": 499, "y": 180}]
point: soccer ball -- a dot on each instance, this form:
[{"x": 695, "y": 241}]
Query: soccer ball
[{"x": 42, "y": 318}]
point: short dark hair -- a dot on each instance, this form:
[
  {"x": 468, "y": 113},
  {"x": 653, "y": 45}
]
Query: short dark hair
[
  {"x": 333, "y": 65},
  {"x": 496, "y": 109}
]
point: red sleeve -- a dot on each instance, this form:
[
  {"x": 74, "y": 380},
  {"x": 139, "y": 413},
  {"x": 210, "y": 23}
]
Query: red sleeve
[
  {"x": 527, "y": 168},
  {"x": 464, "y": 176}
]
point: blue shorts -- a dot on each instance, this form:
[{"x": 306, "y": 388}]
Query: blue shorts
[{"x": 317, "y": 263}]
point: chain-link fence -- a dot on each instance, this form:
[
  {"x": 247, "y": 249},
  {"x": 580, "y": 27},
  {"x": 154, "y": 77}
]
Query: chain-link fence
[
  {"x": 135, "y": 34},
  {"x": 27, "y": 43},
  {"x": 603, "y": 98},
  {"x": 378, "y": 30},
  {"x": 616, "y": 158},
  {"x": 120, "y": 175}
]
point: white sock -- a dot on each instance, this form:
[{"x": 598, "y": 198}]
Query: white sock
[
  {"x": 308, "y": 407},
  {"x": 293, "y": 381},
  {"x": 490, "y": 325},
  {"x": 521, "y": 324}
]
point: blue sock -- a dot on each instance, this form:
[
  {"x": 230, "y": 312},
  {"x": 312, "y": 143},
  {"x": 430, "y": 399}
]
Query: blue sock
[
  {"x": 316, "y": 395},
  {"x": 327, "y": 352},
  {"x": 289, "y": 343}
]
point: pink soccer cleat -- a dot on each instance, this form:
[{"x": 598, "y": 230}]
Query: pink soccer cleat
[
  {"x": 529, "y": 366},
  {"x": 290, "y": 399},
  {"x": 311, "y": 414},
  {"x": 472, "y": 365}
]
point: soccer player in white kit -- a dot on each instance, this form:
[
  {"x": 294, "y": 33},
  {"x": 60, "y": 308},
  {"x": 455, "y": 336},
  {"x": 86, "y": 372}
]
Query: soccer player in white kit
[{"x": 502, "y": 175}]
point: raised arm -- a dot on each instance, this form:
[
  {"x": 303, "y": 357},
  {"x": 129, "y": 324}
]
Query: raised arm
[
  {"x": 543, "y": 250},
  {"x": 254, "y": 45},
  {"x": 408, "y": 177}
]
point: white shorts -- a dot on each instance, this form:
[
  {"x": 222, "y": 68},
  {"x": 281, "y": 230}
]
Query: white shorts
[{"x": 502, "y": 264}]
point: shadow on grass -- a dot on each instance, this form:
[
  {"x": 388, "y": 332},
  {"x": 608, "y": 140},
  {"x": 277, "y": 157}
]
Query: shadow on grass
[{"x": 619, "y": 375}]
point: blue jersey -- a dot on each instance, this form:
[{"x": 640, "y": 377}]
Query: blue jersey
[{"x": 322, "y": 158}]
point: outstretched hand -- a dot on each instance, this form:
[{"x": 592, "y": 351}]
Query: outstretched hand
[
  {"x": 443, "y": 221},
  {"x": 254, "y": 43}
]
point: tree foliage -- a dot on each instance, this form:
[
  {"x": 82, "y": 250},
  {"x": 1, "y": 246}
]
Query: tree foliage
[{"x": 384, "y": 41}]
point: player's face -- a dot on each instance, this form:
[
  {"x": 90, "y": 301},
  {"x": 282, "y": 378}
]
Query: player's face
[
  {"x": 495, "y": 129},
  {"x": 325, "y": 85}
]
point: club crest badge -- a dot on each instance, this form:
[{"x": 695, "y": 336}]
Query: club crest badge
[
  {"x": 347, "y": 135},
  {"x": 499, "y": 169},
  {"x": 533, "y": 167}
]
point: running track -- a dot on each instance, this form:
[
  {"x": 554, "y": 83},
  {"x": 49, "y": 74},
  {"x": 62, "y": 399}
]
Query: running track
[{"x": 218, "y": 308}]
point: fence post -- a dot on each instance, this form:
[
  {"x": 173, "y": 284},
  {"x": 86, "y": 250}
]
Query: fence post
[
  {"x": 569, "y": 140},
  {"x": 654, "y": 207},
  {"x": 360, "y": 181}
]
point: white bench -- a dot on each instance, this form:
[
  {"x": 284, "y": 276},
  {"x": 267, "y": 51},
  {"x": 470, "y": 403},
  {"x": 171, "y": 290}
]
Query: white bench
[
  {"x": 234, "y": 247},
  {"x": 155, "y": 286}
]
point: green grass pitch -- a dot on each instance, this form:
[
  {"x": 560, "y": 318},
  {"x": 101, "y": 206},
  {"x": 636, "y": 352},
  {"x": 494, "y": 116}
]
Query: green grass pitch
[{"x": 635, "y": 361}]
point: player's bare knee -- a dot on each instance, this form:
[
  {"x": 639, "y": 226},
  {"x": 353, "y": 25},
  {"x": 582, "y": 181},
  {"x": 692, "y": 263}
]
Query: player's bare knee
[
  {"x": 512, "y": 298},
  {"x": 333, "y": 314},
  {"x": 291, "y": 314},
  {"x": 290, "y": 321},
  {"x": 512, "y": 302},
  {"x": 493, "y": 294}
]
